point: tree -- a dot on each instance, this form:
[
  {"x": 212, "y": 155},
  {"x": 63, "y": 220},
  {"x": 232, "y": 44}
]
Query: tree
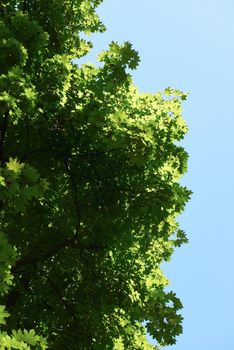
[{"x": 89, "y": 187}]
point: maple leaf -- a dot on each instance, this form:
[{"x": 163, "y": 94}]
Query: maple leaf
[{"x": 14, "y": 165}]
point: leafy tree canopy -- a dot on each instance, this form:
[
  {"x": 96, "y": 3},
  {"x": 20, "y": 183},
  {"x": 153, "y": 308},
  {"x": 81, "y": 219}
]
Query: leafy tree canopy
[{"x": 89, "y": 190}]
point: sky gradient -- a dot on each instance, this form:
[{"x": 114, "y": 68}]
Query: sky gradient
[{"x": 189, "y": 45}]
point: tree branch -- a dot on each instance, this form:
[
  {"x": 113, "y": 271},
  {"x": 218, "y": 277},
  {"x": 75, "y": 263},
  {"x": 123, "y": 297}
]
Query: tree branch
[
  {"x": 3, "y": 129},
  {"x": 69, "y": 243},
  {"x": 75, "y": 194},
  {"x": 68, "y": 307}
]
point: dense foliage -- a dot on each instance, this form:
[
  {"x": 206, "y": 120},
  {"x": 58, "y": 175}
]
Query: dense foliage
[{"x": 89, "y": 187}]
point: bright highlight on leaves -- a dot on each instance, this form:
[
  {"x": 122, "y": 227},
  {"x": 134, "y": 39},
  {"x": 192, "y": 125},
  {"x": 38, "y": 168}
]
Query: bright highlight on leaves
[{"x": 14, "y": 165}]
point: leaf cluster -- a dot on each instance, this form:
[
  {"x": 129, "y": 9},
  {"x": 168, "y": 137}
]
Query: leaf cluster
[{"x": 89, "y": 192}]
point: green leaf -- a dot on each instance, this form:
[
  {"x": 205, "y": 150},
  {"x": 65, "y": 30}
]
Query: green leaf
[
  {"x": 3, "y": 314},
  {"x": 14, "y": 165},
  {"x": 30, "y": 173}
]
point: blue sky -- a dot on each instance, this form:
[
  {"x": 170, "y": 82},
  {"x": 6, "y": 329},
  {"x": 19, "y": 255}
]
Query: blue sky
[{"x": 189, "y": 45}]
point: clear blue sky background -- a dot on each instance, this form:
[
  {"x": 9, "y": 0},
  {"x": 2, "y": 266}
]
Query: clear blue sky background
[{"x": 189, "y": 45}]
